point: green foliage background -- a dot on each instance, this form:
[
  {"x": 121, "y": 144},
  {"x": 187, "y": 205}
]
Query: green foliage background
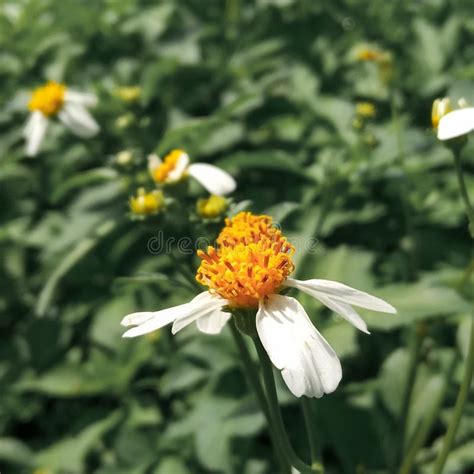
[{"x": 265, "y": 89}]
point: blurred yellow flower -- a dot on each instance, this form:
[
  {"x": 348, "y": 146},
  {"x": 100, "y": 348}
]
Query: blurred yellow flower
[
  {"x": 129, "y": 93},
  {"x": 365, "y": 110},
  {"x": 42, "y": 470},
  {"x": 48, "y": 99},
  {"x": 176, "y": 166},
  {"x": 144, "y": 204},
  {"x": 55, "y": 99},
  {"x": 124, "y": 121},
  {"x": 211, "y": 207},
  {"x": 369, "y": 54}
]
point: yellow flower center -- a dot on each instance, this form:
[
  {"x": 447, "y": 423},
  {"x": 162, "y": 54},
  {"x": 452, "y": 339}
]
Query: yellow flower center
[
  {"x": 440, "y": 108},
  {"x": 369, "y": 55},
  {"x": 48, "y": 99},
  {"x": 213, "y": 206},
  {"x": 251, "y": 261},
  {"x": 161, "y": 173},
  {"x": 365, "y": 109},
  {"x": 144, "y": 203}
]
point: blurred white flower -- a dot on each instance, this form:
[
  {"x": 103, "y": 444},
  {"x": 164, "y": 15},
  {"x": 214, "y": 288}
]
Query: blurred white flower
[
  {"x": 54, "y": 99},
  {"x": 452, "y": 123},
  {"x": 176, "y": 167},
  {"x": 456, "y": 124},
  {"x": 248, "y": 270}
]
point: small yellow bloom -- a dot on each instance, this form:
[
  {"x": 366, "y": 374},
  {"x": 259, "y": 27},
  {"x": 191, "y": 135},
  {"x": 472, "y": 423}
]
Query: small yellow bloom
[
  {"x": 129, "y": 93},
  {"x": 171, "y": 169},
  {"x": 144, "y": 204},
  {"x": 365, "y": 110},
  {"x": 441, "y": 107},
  {"x": 368, "y": 54},
  {"x": 48, "y": 99},
  {"x": 211, "y": 207}
]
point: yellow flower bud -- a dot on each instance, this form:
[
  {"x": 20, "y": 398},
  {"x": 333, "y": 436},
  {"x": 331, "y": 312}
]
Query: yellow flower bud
[
  {"x": 129, "y": 93},
  {"x": 440, "y": 108},
  {"x": 144, "y": 204},
  {"x": 211, "y": 207}
]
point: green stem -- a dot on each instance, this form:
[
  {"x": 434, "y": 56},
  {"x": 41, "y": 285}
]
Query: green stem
[
  {"x": 313, "y": 446},
  {"x": 253, "y": 377},
  {"x": 458, "y": 407},
  {"x": 424, "y": 429},
  {"x": 267, "y": 370},
  {"x": 463, "y": 188},
  {"x": 414, "y": 352}
]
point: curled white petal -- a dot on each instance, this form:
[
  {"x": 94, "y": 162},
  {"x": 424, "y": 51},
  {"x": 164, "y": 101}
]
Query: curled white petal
[
  {"x": 83, "y": 98},
  {"x": 203, "y": 305},
  {"x": 212, "y": 178},
  {"x": 308, "y": 364},
  {"x": 213, "y": 322},
  {"x": 178, "y": 171},
  {"x": 154, "y": 162},
  {"x": 339, "y": 298},
  {"x": 78, "y": 120},
  {"x": 456, "y": 123},
  {"x": 34, "y": 132},
  {"x": 146, "y": 322}
]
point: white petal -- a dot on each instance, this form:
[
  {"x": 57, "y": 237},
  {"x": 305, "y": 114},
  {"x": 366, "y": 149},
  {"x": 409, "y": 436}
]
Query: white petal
[
  {"x": 78, "y": 120},
  {"x": 213, "y": 322},
  {"x": 202, "y": 305},
  {"x": 215, "y": 180},
  {"x": 177, "y": 173},
  {"x": 154, "y": 161},
  {"x": 82, "y": 98},
  {"x": 147, "y": 322},
  {"x": 308, "y": 363},
  {"x": 456, "y": 123},
  {"x": 341, "y": 292},
  {"x": 34, "y": 132}
]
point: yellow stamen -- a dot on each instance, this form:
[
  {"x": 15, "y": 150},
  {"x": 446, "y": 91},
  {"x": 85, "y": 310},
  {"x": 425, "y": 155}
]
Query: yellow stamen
[
  {"x": 161, "y": 172},
  {"x": 48, "y": 99},
  {"x": 212, "y": 207},
  {"x": 144, "y": 203},
  {"x": 440, "y": 108},
  {"x": 251, "y": 262}
]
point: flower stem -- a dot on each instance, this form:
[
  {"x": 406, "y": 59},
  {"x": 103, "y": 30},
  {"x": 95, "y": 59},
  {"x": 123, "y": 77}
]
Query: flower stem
[
  {"x": 414, "y": 352},
  {"x": 424, "y": 429},
  {"x": 253, "y": 377},
  {"x": 458, "y": 407},
  {"x": 291, "y": 456},
  {"x": 313, "y": 446}
]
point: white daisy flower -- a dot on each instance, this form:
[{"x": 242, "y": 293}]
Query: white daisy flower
[
  {"x": 248, "y": 269},
  {"x": 176, "y": 167},
  {"x": 452, "y": 123},
  {"x": 54, "y": 99}
]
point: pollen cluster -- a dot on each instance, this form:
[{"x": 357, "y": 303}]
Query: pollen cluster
[
  {"x": 161, "y": 173},
  {"x": 251, "y": 261},
  {"x": 48, "y": 99}
]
